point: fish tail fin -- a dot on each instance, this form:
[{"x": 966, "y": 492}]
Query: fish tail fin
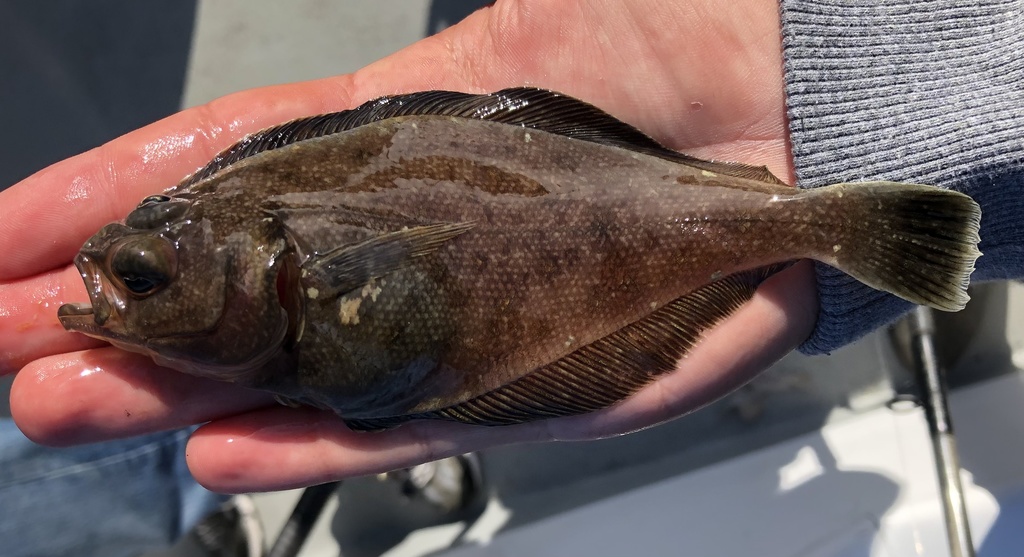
[{"x": 917, "y": 242}]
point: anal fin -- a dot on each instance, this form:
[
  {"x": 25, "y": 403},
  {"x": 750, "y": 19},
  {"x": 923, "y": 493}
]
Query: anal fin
[{"x": 608, "y": 370}]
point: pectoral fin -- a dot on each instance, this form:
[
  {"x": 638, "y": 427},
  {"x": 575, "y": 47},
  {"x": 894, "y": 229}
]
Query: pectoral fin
[
  {"x": 607, "y": 370},
  {"x": 349, "y": 267}
]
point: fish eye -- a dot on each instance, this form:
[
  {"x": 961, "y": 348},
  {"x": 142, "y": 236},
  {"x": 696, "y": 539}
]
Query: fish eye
[{"x": 143, "y": 265}]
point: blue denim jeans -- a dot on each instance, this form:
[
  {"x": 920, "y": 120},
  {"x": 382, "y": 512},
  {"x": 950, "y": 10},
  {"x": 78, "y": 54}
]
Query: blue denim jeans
[{"x": 113, "y": 499}]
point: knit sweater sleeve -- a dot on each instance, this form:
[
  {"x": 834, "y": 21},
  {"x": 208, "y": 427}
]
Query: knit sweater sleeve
[{"x": 923, "y": 91}]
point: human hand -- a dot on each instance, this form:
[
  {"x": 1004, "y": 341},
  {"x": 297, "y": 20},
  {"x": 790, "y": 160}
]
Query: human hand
[{"x": 700, "y": 76}]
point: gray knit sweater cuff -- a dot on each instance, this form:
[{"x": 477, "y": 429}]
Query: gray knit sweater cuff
[{"x": 924, "y": 91}]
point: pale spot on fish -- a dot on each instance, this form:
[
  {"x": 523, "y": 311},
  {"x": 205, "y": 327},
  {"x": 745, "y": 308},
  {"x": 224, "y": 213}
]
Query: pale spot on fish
[
  {"x": 708, "y": 174},
  {"x": 312, "y": 293},
  {"x": 348, "y": 308},
  {"x": 836, "y": 248},
  {"x": 526, "y": 137},
  {"x": 654, "y": 305},
  {"x": 716, "y": 275},
  {"x": 370, "y": 290},
  {"x": 348, "y": 311},
  {"x": 570, "y": 341}
]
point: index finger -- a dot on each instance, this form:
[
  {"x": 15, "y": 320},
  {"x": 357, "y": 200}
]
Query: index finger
[{"x": 105, "y": 183}]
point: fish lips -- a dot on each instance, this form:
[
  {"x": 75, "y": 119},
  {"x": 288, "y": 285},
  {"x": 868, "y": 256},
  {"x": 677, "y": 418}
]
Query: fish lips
[{"x": 89, "y": 318}]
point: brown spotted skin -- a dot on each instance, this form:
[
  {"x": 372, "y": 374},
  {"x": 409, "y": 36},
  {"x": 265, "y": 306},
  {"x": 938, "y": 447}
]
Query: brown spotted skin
[{"x": 571, "y": 241}]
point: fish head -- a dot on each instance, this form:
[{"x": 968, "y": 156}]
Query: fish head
[{"x": 167, "y": 284}]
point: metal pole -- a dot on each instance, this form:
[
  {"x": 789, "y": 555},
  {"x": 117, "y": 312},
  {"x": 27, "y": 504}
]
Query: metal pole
[
  {"x": 932, "y": 380},
  {"x": 305, "y": 514}
]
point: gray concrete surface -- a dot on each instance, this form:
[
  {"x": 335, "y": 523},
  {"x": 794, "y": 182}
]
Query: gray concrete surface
[{"x": 241, "y": 44}]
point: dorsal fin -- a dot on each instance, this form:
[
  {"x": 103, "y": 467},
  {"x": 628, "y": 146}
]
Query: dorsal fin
[
  {"x": 521, "y": 106},
  {"x": 605, "y": 371}
]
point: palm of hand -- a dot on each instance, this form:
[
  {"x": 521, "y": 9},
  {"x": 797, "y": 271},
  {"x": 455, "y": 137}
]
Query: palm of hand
[{"x": 699, "y": 76}]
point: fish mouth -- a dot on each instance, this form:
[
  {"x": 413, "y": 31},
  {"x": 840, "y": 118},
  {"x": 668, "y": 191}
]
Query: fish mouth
[
  {"x": 80, "y": 318},
  {"x": 88, "y": 318}
]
